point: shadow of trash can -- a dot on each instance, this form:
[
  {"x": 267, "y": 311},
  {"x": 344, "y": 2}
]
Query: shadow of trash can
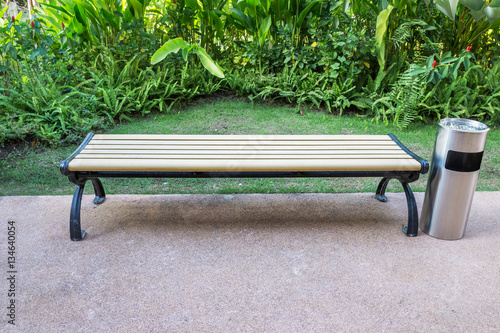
[{"x": 455, "y": 164}]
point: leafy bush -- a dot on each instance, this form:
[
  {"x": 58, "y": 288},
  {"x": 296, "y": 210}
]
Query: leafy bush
[
  {"x": 474, "y": 94},
  {"x": 76, "y": 66},
  {"x": 50, "y": 111}
]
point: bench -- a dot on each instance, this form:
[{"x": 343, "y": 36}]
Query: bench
[{"x": 240, "y": 156}]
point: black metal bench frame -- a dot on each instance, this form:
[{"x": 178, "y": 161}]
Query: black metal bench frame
[{"x": 79, "y": 178}]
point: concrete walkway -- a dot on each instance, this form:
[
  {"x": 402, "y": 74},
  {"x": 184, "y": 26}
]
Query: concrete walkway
[{"x": 248, "y": 263}]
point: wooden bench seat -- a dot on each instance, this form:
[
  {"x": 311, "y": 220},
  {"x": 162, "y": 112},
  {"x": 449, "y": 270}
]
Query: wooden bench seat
[
  {"x": 242, "y": 153},
  {"x": 202, "y": 156}
]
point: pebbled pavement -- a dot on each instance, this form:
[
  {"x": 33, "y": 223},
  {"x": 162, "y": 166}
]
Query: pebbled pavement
[{"x": 247, "y": 263}]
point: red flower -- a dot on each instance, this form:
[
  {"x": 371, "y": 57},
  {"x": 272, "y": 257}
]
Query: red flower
[
  {"x": 13, "y": 18},
  {"x": 468, "y": 48},
  {"x": 32, "y": 24},
  {"x": 434, "y": 64},
  {"x": 62, "y": 24}
]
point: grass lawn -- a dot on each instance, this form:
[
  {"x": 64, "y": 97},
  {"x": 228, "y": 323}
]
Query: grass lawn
[{"x": 35, "y": 170}]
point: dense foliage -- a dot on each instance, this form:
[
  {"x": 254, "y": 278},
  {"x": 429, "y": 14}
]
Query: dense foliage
[{"x": 72, "y": 66}]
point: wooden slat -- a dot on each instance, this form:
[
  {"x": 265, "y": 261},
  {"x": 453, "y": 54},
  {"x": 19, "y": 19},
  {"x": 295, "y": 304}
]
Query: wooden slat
[
  {"x": 240, "y": 143},
  {"x": 244, "y": 165},
  {"x": 174, "y": 137},
  {"x": 251, "y": 152},
  {"x": 235, "y": 157},
  {"x": 235, "y": 147}
]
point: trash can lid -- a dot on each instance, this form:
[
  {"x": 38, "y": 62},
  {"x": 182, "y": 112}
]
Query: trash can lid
[{"x": 464, "y": 125}]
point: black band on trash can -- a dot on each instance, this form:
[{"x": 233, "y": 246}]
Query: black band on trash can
[{"x": 463, "y": 162}]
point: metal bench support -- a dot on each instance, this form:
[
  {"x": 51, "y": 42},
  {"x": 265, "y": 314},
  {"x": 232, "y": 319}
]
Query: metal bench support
[
  {"x": 75, "y": 229},
  {"x": 79, "y": 178},
  {"x": 98, "y": 190},
  {"x": 410, "y": 230}
]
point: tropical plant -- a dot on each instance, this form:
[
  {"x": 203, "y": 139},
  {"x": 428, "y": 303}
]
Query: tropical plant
[
  {"x": 210, "y": 25},
  {"x": 108, "y": 60},
  {"x": 97, "y": 21},
  {"x": 394, "y": 19},
  {"x": 176, "y": 21},
  {"x": 400, "y": 105},
  {"x": 471, "y": 19},
  {"x": 258, "y": 18},
  {"x": 50, "y": 111},
  {"x": 174, "y": 45},
  {"x": 437, "y": 68},
  {"x": 474, "y": 94},
  {"x": 10, "y": 31}
]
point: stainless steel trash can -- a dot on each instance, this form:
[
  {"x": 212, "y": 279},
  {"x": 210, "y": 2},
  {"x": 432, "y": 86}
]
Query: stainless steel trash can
[{"x": 453, "y": 175}]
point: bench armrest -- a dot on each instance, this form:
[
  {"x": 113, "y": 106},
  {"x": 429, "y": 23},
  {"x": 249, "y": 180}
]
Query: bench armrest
[
  {"x": 423, "y": 163},
  {"x": 64, "y": 164}
]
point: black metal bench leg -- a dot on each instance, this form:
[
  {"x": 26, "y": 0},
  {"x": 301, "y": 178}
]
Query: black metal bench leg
[
  {"x": 412, "y": 229},
  {"x": 75, "y": 231},
  {"x": 98, "y": 190},
  {"x": 380, "y": 194}
]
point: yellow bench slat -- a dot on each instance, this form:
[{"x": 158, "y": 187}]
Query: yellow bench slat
[
  {"x": 251, "y": 152},
  {"x": 240, "y": 143},
  {"x": 184, "y": 165},
  {"x": 91, "y": 148},
  {"x": 234, "y": 157},
  {"x": 174, "y": 137}
]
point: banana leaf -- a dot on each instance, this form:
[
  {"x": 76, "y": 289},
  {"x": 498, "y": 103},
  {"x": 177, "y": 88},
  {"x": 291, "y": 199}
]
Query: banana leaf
[
  {"x": 447, "y": 7},
  {"x": 478, "y": 15},
  {"x": 380, "y": 34},
  {"x": 492, "y": 13},
  {"x": 473, "y": 5},
  {"x": 242, "y": 19},
  {"x": 264, "y": 29},
  {"x": 171, "y": 46},
  {"x": 208, "y": 63}
]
